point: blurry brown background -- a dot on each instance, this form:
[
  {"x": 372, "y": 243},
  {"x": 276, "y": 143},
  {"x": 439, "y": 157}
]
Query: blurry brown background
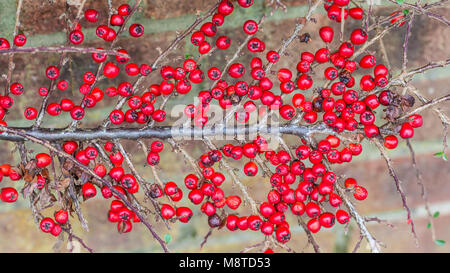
[{"x": 42, "y": 24}]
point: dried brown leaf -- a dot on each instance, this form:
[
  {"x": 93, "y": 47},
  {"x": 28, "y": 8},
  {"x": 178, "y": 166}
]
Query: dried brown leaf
[
  {"x": 30, "y": 165},
  {"x": 46, "y": 199},
  {"x": 28, "y": 189},
  {"x": 61, "y": 185},
  {"x": 392, "y": 112},
  {"x": 45, "y": 173},
  {"x": 28, "y": 177},
  {"x": 68, "y": 165}
]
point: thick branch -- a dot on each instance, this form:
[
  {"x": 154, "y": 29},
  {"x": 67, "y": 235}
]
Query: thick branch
[
  {"x": 163, "y": 132},
  {"x": 62, "y": 49}
]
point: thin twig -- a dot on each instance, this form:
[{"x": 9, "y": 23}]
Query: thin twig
[{"x": 398, "y": 186}]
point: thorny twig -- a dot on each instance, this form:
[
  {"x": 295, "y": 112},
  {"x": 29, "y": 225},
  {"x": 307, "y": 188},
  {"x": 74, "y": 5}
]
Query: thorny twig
[
  {"x": 398, "y": 186},
  {"x": 11, "y": 55},
  {"x": 421, "y": 184}
]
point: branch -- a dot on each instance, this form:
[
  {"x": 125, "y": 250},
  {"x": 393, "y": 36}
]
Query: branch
[
  {"x": 62, "y": 49},
  {"x": 162, "y": 132},
  {"x": 424, "y": 193},
  {"x": 398, "y": 186},
  {"x": 405, "y": 43},
  {"x": 424, "y": 10},
  {"x": 311, "y": 239},
  {"x": 425, "y": 106}
]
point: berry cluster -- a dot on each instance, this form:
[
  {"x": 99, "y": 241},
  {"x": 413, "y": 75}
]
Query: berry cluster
[
  {"x": 9, "y": 194},
  {"x": 92, "y": 95},
  {"x": 48, "y": 225},
  {"x": 302, "y": 181}
]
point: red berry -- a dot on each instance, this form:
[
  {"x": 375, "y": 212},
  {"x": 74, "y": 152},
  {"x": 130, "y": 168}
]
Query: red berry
[
  {"x": 91, "y": 15},
  {"x": 43, "y": 91},
  {"x": 380, "y": 70},
  {"x": 136, "y": 30},
  {"x": 313, "y": 225},
  {"x": 184, "y": 214},
  {"x": 88, "y": 190},
  {"x": 4, "y": 44},
  {"x": 331, "y": 73},
  {"x": 356, "y": 13},
  {"x": 346, "y": 50},
  {"x": 223, "y": 42},
  {"x": 70, "y": 146},
  {"x": 47, "y": 224},
  {"x": 236, "y": 70},
  {"x": 407, "y": 131},
  {"x": 56, "y": 230},
  {"x": 43, "y": 160},
  {"x": 251, "y": 169},
  {"x": 52, "y": 72},
  {"x": 76, "y": 37},
  {"x": 304, "y": 82},
  {"x": 61, "y": 216},
  {"x": 100, "y": 170},
  {"x": 272, "y": 56},
  {"x": 415, "y": 120},
  {"x": 225, "y": 8},
  {"x": 367, "y": 83},
  {"x": 110, "y": 70},
  {"x": 245, "y": 3},
  {"x": 371, "y": 130},
  {"x": 327, "y": 219},
  {"x": 322, "y": 55},
  {"x": 360, "y": 193},
  {"x": 342, "y": 217},
  {"x": 132, "y": 69},
  {"x": 283, "y": 235},
  {"x": 326, "y": 33},
  {"x": 218, "y": 19},
  {"x": 368, "y": 61},
  {"x": 20, "y": 40},
  {"x": 254, "y": 222},
  {"x": 358, "y": 36},
  {"x": 390, "y": 142},
  {"x": 30, "y": 113},
  {"x": 250, "y": 27},
  {"x": 209, "y": 29},
  {"x": 116, "y": 20},
  {"x": 167, "y": 211},
  {"x": 124, "y": 10},
  {"x": 9, "y": 194}
]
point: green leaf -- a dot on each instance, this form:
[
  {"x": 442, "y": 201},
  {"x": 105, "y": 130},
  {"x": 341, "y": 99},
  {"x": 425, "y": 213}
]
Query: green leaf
[
  {"x": 444, "y": 157},
  {"x": 436, "y": 214},
  {"x": 438, "y": 154},
  {"x": 187, "y": 56},
  {"x": 405, "y": 11},
  {"x": 429, "y": 225},
  {"x": 400, "y": 2},
  {"x": 167, "y": 238},
  {"x": 440, "y": 242}
]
